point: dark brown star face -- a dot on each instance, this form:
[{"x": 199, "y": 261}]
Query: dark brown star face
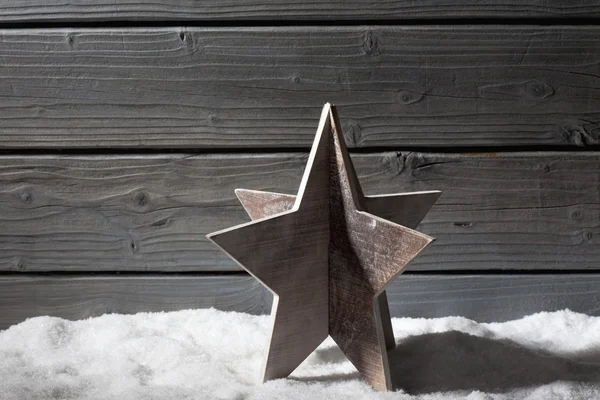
[
  {"x": 328, "y": 255},
  {"x": 365, "y": 253}
]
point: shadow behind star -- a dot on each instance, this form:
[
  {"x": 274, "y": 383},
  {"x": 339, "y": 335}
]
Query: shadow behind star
[
  {"x": 450, "y": 361},
  {"x": 455, "y": 361}
]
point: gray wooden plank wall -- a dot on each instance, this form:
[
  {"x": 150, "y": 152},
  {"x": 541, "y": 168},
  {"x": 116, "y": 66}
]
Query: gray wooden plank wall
[
  {"x": 509, "y": 211},
  {"x": 253, "y": 88},
  {"x": 282, "y": 10},
  {"x": 125, "y": 128},
  {"x": 483, "y": 298}
]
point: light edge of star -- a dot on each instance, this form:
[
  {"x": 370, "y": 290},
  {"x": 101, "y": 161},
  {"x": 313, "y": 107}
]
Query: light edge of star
[
  {"x": 267, "y": 350},
  {"x": 239, "y": 191},
  {"x": 324, "y": 119},
  {"x": 406, "y": 194}
]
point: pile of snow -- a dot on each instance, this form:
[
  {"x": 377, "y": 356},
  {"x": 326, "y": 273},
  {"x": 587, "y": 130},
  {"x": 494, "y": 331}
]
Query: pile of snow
[{"x": 209, "y": 354}]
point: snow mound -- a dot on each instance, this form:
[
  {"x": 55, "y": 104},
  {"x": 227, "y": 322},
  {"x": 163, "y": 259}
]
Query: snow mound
[{"x": 209, "y": 354}]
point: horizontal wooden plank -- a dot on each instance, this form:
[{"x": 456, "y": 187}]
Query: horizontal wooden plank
[
  {"x": 490, "y": 298},
  {"x": 150, "y": 213},
  {"x": 482, "y": 298},
  {"x": 127, "y": 212},
  {"x": 264, "y": 87},
  {"x": 215, "y": 10},
  {"x": 81, "y": 297}
]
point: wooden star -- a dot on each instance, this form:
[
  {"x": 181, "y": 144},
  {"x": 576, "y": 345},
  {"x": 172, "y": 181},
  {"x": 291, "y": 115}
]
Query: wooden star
[{"x": 327, "y": 255}]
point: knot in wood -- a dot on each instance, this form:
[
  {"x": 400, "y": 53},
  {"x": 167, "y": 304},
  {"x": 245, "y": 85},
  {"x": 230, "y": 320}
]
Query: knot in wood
[
  {"x": 70, "y": 40},
  {"x": 575, "y": 134},
  {"x": 26, "y": 197},
  {"x": 187, "y": 40},
  {"x": 395, "y": 163},
  {"x": 352, "y": 133},
  {"x": 370, "y": 44},
  {"x": 141, "y": 199},
  {"x": 463, "y": 224},
  {"x": 133, "y": 246},
  {"x": 538, "y": 89},
  {"x": 407, "y": 97},
  {"x": 19, "y": 264}
]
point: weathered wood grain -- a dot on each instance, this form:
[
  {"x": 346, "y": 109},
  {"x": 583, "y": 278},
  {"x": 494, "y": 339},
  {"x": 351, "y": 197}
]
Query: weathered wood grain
[
  {"x": 434, "y": 86},
  {"x": 406, "y": 208},
  {"x": 79, "y": 297},
  {"x": 327, "y": 259},
  {"x": 150, "y": 213},
  {"x": 126, "y": 212},
  {"x": 489, "y": 298},
  {"x": 509, "y": 210},
  {"x": 366, "y": 252},
  {"x": 288, "y": 254},
  {"x": 215, "y": 10},
  {"x": 483, "y": 298}
]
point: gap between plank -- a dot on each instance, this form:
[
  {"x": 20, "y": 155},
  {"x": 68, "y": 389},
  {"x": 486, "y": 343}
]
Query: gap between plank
[
  {"x": 439, "y": 21},
  {"x": 147, "y": 274},
  {"x": 84, "y": 151}
]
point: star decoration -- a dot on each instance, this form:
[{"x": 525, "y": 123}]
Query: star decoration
[{"x": 327, "y": 255}]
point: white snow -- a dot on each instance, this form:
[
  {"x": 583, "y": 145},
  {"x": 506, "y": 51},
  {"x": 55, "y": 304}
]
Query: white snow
[{"x": 209, "y": 354}]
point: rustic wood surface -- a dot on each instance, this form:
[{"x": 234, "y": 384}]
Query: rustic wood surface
[
  {"x": 215, "y": 10},
  {"x": 288, "y": 254},
  {"x": 427, "y": 86},
  {"x": 150, "y": 213},
  {"x": 479, "y": 297},
  {"x": 406, "y": 209},
  {"x": 365, "y": 252},
  {"x": 490, "y": 298},
  {"x": 87, "y": 295},
  {"x": 260, "y": 204}
]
